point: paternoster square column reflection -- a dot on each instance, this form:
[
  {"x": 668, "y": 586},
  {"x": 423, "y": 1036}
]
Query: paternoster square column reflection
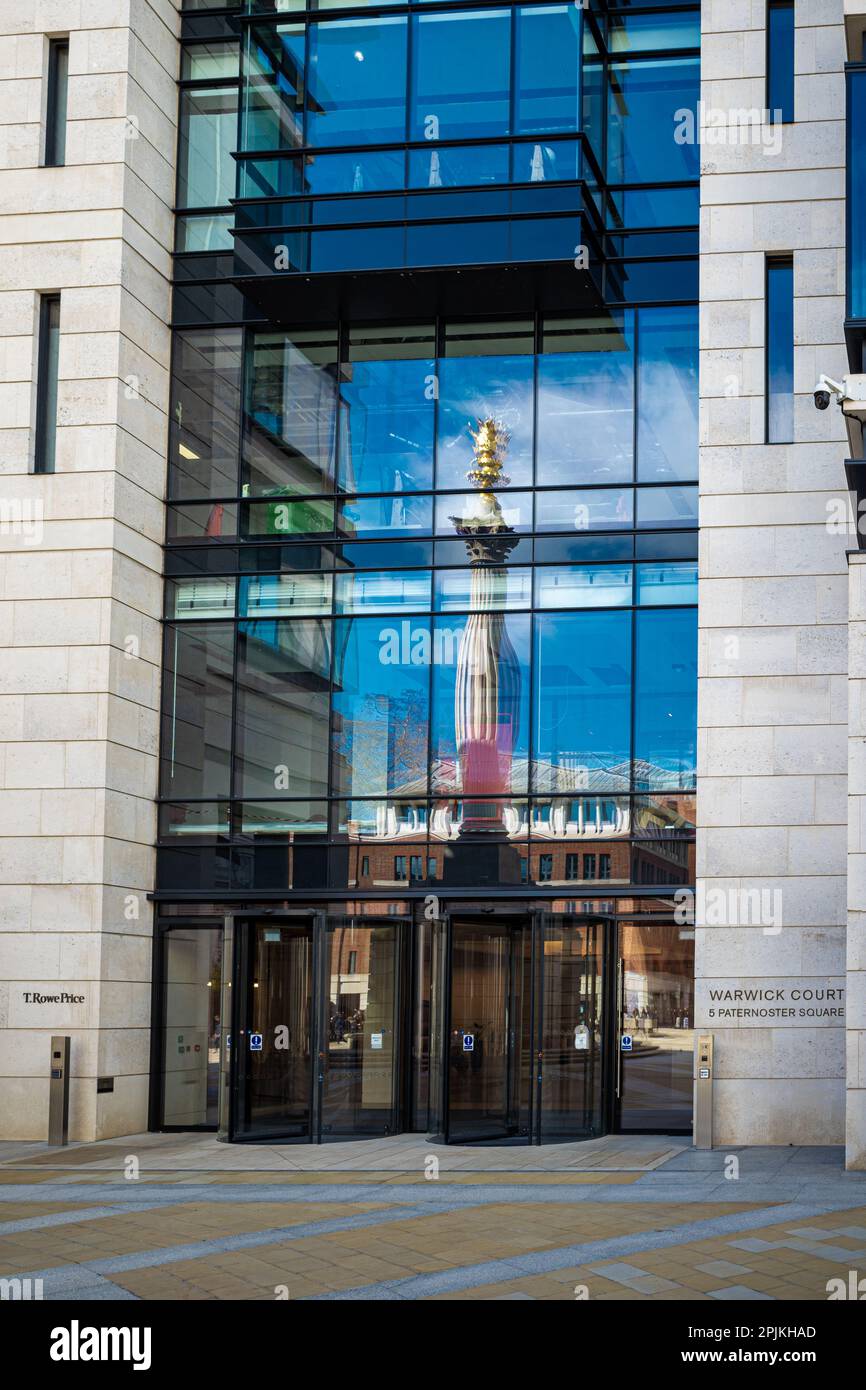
[{"x": 487, "y": 686}]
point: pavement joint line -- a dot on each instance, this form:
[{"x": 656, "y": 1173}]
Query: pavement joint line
[
  {"x": 419, "y": 1286},
  {"x": 70, "y": 1276},
  {"x": 139, "y": 1195},
  {"x": 67, "y": 1218}
]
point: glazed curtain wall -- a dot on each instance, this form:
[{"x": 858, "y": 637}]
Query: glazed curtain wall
[{"x": 367, "y": 686}]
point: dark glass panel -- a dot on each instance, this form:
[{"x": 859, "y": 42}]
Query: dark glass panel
[
  {"x": 667, "y": 394},
  {"x": 387, "y": 392},
  {"x": 356, "y": 77},
  {"x": 780, "y": 59},
  {"x": 582, "y": 549},
  {"x": 648, "y": 141},
  {"x": 196, "y": 710},
  {"x": 654, "y": 207},
  {"x": 381, "y": 706},
  {"x": 208, "y": 135},
  {"x": 194, "y": 820},
  {"x": 856, "y": 162},
  {"x": 290, "y": 423},
  {"x": 480, "y": 716},
  {"x": 205, "y": 413},
  {"x": 458, "y": 166},
  {"x": 547, "y": 79},
  {"x": 283, "y": 820},
  {"x": 581, "y": 702},
  {"x": 780, "y": 351},
  {"x": 281, "y": 735},
  {"x": 665, "y": 721},
  {"x": 461, "y": 75},
  {"x": 202, "y": 521},
  {"x": 586, "y": 400},
  {"x": 384, "y": 555}
]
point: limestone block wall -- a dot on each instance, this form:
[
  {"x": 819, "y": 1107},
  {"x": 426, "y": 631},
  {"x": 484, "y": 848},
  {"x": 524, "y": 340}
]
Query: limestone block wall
[
  {"x": 80, "y": 591},
  {"x": 772, "y": 707}
]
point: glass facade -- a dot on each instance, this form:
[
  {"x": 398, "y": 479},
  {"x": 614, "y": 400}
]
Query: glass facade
[{"x": 431, "y": 579}]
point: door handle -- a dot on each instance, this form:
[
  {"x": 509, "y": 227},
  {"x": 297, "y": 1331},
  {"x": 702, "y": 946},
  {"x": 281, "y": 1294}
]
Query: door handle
[{"x": 618, "y": 1022}]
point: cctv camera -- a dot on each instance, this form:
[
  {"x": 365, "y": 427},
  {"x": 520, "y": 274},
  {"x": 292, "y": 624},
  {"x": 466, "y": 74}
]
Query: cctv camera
[{"x": 822, "y": 400}]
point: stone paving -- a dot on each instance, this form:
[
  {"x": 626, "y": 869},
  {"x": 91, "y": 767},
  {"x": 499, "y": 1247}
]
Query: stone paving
[{"x": 644, "y": 1217}]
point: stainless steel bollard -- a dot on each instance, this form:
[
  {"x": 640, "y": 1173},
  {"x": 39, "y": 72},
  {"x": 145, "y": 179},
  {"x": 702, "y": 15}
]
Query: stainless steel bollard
[
  {"x": 703, "y": 1127},
  {"x": 58, "y": 1092}
]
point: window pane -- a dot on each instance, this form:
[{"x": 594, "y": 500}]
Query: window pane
[
  {"x": 665, "y": 699},
  {"x": 667, "y": 506},
  {"x": 856, "y": 161},
  {"x": 381, "y": 706},
  {"x": 501, "y": 511},
  {"x": 290, "y": 426},
  {"x": 311, "y": 518},
  {"x": 210, "y": 61},
  {"x": 205, "y": 413},
  {"x": 273, "y": 108},
  {"x": 385, "y": 590},
  {"x": 573, "y": 509},
  {"x": 548, "y": 69},
  {"x": 196, "y": 711},
  {"x": 285, "y": 595},
  {"x": 586, "y": 400},
  {"x": 582, "y": 707},
  {"x": 780, "y": 352},
  {"x": 208, "y": 134},
  {"x": 211, "y": 232},
  {"x": 282, "y": 709},
  {"x": 386, "y": 516},
  {"x": 284, "y": 819},
  {"x": 572, "y": 586},
  {"x": 640, "y": 32},
  {"x": 458, "y": 166},
  {"x": 205, "y": 597},
  {"x": 387, "y": 393},
  {"x": 780, "y": 61},
  {"x": 481, "y": 704},
  {"x": 357, "y": 82},
  {"x": 48, "y": 371},
  {"x": 461, "y": 74},
  {"x": 487, "y": 371},
  {"x": 665, "y": 584},
  {"x": 58, "y": 88},
  {"x": 643, "y": 131},
  {"x": 482, "y": 589},
  {"x": 667, "y": 425}
]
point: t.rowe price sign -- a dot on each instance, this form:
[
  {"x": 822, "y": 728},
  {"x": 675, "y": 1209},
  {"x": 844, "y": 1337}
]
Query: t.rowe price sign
[
  {"x": 32, "y": 996},
  {"x": 767, "y": 1003}
]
